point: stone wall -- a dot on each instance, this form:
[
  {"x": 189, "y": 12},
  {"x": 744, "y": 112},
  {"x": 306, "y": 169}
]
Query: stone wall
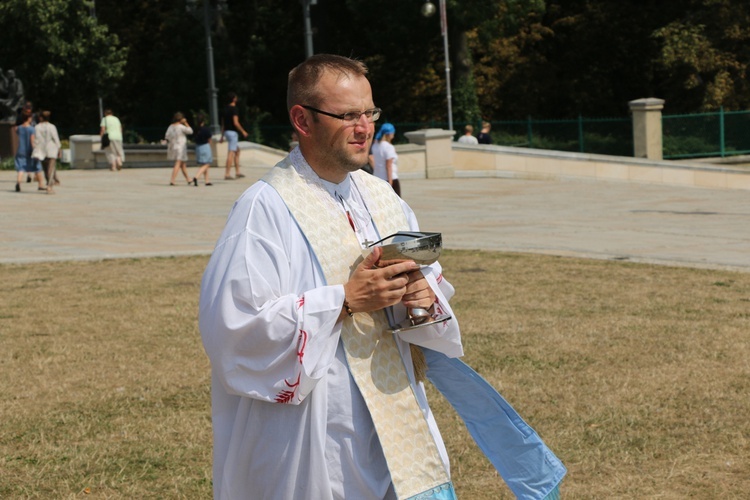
[
  {"x": 438, "y": 157},
  {"x": 86, "y": 153}
]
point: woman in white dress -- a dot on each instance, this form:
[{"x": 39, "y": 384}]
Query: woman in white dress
[
  {"x": 176, "y": 137},
  {"x": 47, "y": 148}
]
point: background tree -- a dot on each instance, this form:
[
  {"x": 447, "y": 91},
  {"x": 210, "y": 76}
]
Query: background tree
[
  {"x": 63, "y": 56},
  {"x": 705, "y": 55},
  {"x": 509, "y": 58},
  {"x": 573, "y": 57},
  {"x": 165, "y": 70}
]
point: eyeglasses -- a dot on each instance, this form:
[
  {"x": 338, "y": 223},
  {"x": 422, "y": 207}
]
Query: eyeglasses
[{"x": 372, "y": 115}]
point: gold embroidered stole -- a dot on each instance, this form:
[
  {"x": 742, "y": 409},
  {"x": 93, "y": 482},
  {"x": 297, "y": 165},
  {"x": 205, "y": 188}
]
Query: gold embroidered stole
[{"x": 371, "y": 351}]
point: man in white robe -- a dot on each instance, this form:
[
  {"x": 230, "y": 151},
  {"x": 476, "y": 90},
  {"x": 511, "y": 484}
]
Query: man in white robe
[{"x": 289, "y": 420}]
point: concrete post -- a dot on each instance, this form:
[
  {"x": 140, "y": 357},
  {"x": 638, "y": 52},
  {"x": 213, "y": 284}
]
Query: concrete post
[
  {"x": 219, "y": 150},
  {"x": 438, "y": 151},
  {"x": 82, "y": 149},
  {"x": 647, "y": 132}
]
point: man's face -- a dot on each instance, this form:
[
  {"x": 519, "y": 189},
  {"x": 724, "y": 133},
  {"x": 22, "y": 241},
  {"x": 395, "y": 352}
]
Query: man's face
[{"x": 342, "y": 146}]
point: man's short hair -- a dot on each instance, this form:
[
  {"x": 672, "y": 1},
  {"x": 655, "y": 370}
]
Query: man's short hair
[
  {"x": 469, "y": 129},
  {"x": 302, "y": 87}
]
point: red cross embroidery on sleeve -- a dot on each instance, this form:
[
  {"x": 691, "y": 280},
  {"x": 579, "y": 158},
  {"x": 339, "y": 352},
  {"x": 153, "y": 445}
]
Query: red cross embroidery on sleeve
[
  {"x": 301, "y": 344},
  {"x": 287, "y": 395}
]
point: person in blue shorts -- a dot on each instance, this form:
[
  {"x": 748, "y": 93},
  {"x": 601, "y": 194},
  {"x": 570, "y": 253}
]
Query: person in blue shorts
[
  {"x": 203, "y": 155},
  {"x": 230, "y": 130},
  {"x": 25, "y": 163}
]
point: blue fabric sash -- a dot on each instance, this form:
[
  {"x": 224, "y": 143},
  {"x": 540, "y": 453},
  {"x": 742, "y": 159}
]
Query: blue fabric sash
[
  {"x": 527, "y": 466},
  {"x": 442, "y": 492}
]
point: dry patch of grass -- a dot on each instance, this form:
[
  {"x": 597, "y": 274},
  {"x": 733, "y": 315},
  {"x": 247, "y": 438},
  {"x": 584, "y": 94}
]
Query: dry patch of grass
[
  {"x": 105, "y": 387},
  {"x": 636, "y": 376}
]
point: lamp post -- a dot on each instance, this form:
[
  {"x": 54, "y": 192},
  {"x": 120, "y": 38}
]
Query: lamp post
[
  {"x": 92, "y": 13},
  {"x": 308, "y": 26},
  {"x": 428, "y": 9},
  {"x": 213, "y": 92}
]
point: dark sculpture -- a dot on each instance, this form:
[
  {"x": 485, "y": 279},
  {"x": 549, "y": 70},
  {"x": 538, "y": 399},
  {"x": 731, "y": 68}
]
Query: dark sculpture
[{"x": 11, "y": 96}]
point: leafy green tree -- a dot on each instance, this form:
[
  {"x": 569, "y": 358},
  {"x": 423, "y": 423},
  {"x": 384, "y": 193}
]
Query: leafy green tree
[
  {"x": 255, "y": 44},
  {"x": 509, "y": 58},
  {"x": 571, "y": 57},
  {"x": 63, "y": 56},
  {"x": 166, "y": 68},
  {"x": 591, "y": 57},
  {"x": 705, "y": 55},
  {"x": 484, "y": 34}
]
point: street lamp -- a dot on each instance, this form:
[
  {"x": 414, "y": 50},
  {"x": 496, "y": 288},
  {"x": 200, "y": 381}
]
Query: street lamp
[
  {"x": 308, "y": 26},
  {"x": 428, "y": 9},
  {"x": 92, "y": 13},
  {"x": 213, "y": 92}
]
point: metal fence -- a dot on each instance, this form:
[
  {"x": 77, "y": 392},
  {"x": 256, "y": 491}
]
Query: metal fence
[
  {"x": 608, "y": 136},
  {"x": 720, "y": 133}
]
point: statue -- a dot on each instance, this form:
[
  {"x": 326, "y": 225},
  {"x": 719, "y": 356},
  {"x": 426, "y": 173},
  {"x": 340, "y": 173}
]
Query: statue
[
  {"x": 11, "y": 96},
  {"x": 3, "y": 85}
]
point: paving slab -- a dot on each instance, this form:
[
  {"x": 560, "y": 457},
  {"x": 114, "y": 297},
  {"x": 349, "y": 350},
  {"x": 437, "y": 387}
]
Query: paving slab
[{"x": 98, "y": 214}]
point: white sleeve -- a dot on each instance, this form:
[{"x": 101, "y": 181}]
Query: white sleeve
[
  {"x": 267, "y": 320},
  {"x": 390, "y": 152}
]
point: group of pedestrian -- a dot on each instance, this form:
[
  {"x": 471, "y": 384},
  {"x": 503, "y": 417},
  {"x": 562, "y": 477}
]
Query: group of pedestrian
[
  {"x": 176, "y": 137},
  {"x": 482, "y": 138},
  {"x": 383, "y": 159},
  {"x": 38, "y": 149},
  {"x": 177, "y": 144}
]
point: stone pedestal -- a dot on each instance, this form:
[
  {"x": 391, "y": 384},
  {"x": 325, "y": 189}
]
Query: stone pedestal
[
  {"x": 438, "y": 151},
  {"x": 82, "y": 149},
  {"x": 647, "y": 132},
  {"x": 219, "y": 150},
  {"x": 8, "y": 140}
]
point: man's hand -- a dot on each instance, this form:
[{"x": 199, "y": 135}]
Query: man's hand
[
  {"x": 418, "y": 291},
  {"x": 372, "y": 288}
]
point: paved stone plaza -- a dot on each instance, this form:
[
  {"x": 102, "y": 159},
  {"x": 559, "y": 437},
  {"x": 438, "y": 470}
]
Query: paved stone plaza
[{"x": 98, "y": 214}]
